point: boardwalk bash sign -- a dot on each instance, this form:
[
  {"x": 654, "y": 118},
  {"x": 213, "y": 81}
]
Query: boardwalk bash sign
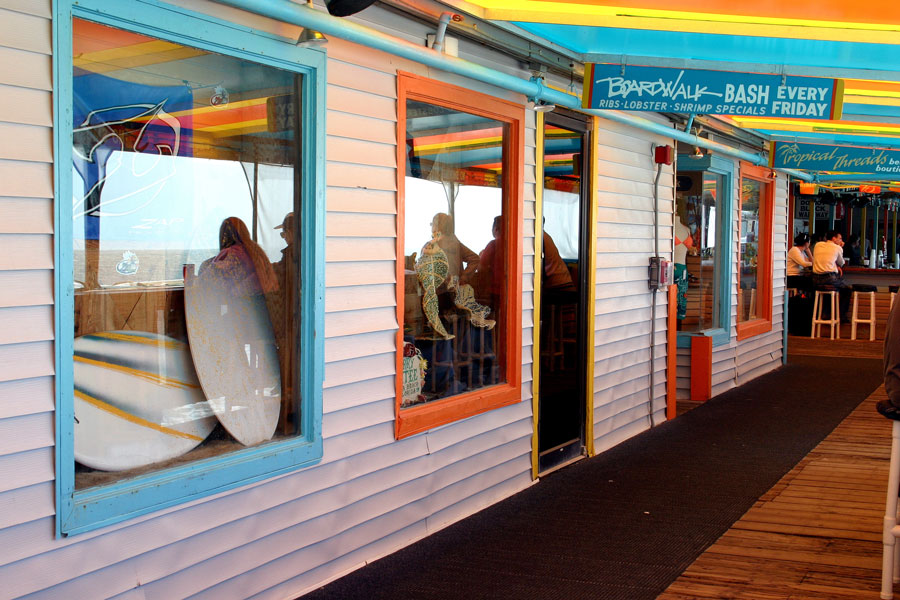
[
  {"x": 839, "y": 159},
  {"x": 661, "y": 89}
]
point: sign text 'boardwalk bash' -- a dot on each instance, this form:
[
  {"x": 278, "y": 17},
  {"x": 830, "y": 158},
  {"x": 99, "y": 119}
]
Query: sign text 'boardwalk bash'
[
  {"x": 841, "y": 159},
  {"x": 661, "y": 89}
]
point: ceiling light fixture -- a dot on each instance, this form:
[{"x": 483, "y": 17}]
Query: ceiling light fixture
[{"x": 310, "y": 37}]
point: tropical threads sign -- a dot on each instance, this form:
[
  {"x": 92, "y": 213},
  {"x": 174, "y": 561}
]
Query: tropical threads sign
[
  {"x": 661, "y": 89},
  {"x": 840, "y": 159}
]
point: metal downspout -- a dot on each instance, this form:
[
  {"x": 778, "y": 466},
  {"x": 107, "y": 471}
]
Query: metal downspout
[
  {"x": 438, "y": 44},
  {"x": 654, "y": 293},
  {"x": 301, "y": 15}
]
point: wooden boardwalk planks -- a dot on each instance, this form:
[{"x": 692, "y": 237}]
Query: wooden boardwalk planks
[{"x": 816, "y": 535}]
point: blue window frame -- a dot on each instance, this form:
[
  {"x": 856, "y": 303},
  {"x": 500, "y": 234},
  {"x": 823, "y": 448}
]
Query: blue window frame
[
  {"x": 724, "y": 171},
  {"x": 85, "y": 507}
]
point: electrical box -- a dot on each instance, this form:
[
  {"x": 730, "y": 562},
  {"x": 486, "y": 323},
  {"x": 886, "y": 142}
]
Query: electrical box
[
  {"x": 664, "y": 155},
  {"x": 662, "y": 273}
]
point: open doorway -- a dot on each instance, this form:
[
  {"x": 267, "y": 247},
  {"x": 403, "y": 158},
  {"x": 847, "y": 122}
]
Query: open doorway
[{"x": 566, "y": 247}]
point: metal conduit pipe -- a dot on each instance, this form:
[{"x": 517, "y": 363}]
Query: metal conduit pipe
[
  {"x": 301, "y": 15},
  {"x": 438, "y": 44}
]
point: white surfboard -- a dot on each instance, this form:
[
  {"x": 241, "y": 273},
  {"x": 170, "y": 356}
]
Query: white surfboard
[
  {"x": 137, "y": 400},
  {"x": 234, "y": 350}
]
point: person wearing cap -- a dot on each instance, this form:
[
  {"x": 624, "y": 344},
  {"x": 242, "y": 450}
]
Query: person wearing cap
[{"x": 281, "y": 313}]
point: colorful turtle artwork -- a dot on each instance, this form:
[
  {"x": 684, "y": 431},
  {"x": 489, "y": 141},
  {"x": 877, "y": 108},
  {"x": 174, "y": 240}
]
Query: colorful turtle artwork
[
  {"x": 465, "y": 300},
  {"x": 432, "y": 269}
]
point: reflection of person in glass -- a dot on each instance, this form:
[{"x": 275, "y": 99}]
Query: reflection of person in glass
[
  {"x": 684, "y": 243},
  {"x": 490, "y": 267},
  {"x": 281, "y": 309},
  {"x": 556, "y": 273},
  {"x": 457, "y": 253},
  {"x": 240, "y": 254},
  {"x": 852, "y": 251}
]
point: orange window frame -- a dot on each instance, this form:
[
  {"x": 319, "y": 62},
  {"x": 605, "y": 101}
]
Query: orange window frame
[
  {"x": 764, "y": 264},
  {"x": 420, "y": 418}
]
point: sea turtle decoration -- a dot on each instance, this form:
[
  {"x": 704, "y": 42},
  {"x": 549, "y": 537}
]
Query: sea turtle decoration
[
  {"x": 432, "y": 269},
  {"x": 465, "y": 300}
]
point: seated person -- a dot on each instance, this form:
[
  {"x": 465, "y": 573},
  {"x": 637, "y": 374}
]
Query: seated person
[
  {"x": 799, "y": 264},
  {"x": 556, "y": 273},
  {"x": 828, "y": 258},
  {"x": 491, "y": 267},
  {"x": 852, "y": 251},
  {"x": 457, "y": 253}
]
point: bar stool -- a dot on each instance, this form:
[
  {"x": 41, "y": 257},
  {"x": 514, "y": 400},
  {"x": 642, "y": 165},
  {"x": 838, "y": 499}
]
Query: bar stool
[
  {"x": 869, "y": 291},
  {"x": 823, "y": 294},
  {"x": 890, "y": 561}
]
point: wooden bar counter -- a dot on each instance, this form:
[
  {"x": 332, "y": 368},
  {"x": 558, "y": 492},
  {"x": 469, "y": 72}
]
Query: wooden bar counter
[{"x": 882, "y": 278}]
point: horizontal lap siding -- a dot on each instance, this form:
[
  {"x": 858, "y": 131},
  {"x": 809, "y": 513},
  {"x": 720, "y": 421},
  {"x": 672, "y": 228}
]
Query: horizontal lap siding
[
  {"x": 370, "y": 495},
  {"x": 26, "y": 269},
  {"x": 762, "y": 353},
  {"x": 622, "y": 307}
]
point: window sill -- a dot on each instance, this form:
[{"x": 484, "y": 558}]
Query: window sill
[
  {"x": 94, "y": 508},
  {"x": 719, "y": 335},
  {"x": 748, "y": 329},
  {"x": 414, "y": 420}
]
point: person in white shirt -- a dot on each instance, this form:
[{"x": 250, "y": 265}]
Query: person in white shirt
[
  {"x": 799, "y": 264},
  {"x": 828, "y": 258}
]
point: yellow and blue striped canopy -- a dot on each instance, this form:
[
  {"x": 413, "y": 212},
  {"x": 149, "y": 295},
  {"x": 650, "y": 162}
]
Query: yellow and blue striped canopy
[{"x": 855, "y": 41}]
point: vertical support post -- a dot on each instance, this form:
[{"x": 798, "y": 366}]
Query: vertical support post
[
  {"x": 875, "y": 234},
  {"x": 890, "y": 515},
  {"x": 784, "y": 326},
  {"x": 886, "y": 234},
  {"x": 894, "y": 237},
  {"x": 701, "y": 368},
  {"x": 812, "y": 217},
  {"x": 848, "y": 220},
  {"x": 863, "y": 222},
  {"x": 538, "y": 271},
  {"x": 671, "y": 351}
]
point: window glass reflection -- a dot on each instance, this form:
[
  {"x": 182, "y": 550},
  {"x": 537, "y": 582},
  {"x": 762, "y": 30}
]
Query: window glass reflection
[
  {"x": 455, "y": 253},
  {"x": 751, "y": 205},
  {"x": 185, "y": 254},
  {"x": 696, "y": 268}
]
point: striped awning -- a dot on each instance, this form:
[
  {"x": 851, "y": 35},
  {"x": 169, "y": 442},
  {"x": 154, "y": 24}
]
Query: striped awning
[{"x": 855, "y": 41}]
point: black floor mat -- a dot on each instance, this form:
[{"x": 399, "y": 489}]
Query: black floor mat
[{"x": 626, "y": 523}]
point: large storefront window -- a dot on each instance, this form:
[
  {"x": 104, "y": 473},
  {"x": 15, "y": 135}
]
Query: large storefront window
[
  {"x": 754, "y": 310},
  {"x": 187, "y": 240},
  {"x": 459, "y": 246}
]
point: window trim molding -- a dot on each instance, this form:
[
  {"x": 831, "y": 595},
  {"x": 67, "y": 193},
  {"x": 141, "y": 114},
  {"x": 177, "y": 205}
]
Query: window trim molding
[
  {"x": 86, "y": 510},
  {"x": 417, "y": 419},
  {"x": 763, "y": 323},
  {"x": 721, "y": 335}
]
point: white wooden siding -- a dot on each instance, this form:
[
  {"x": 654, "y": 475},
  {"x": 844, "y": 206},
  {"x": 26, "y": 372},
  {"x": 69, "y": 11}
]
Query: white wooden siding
[
  {"x": 762, "y": 353},
  {"x": 371, "y": 494},
  {"x": 26, "y": 276},
  {"x": 622, "y": 309}
]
